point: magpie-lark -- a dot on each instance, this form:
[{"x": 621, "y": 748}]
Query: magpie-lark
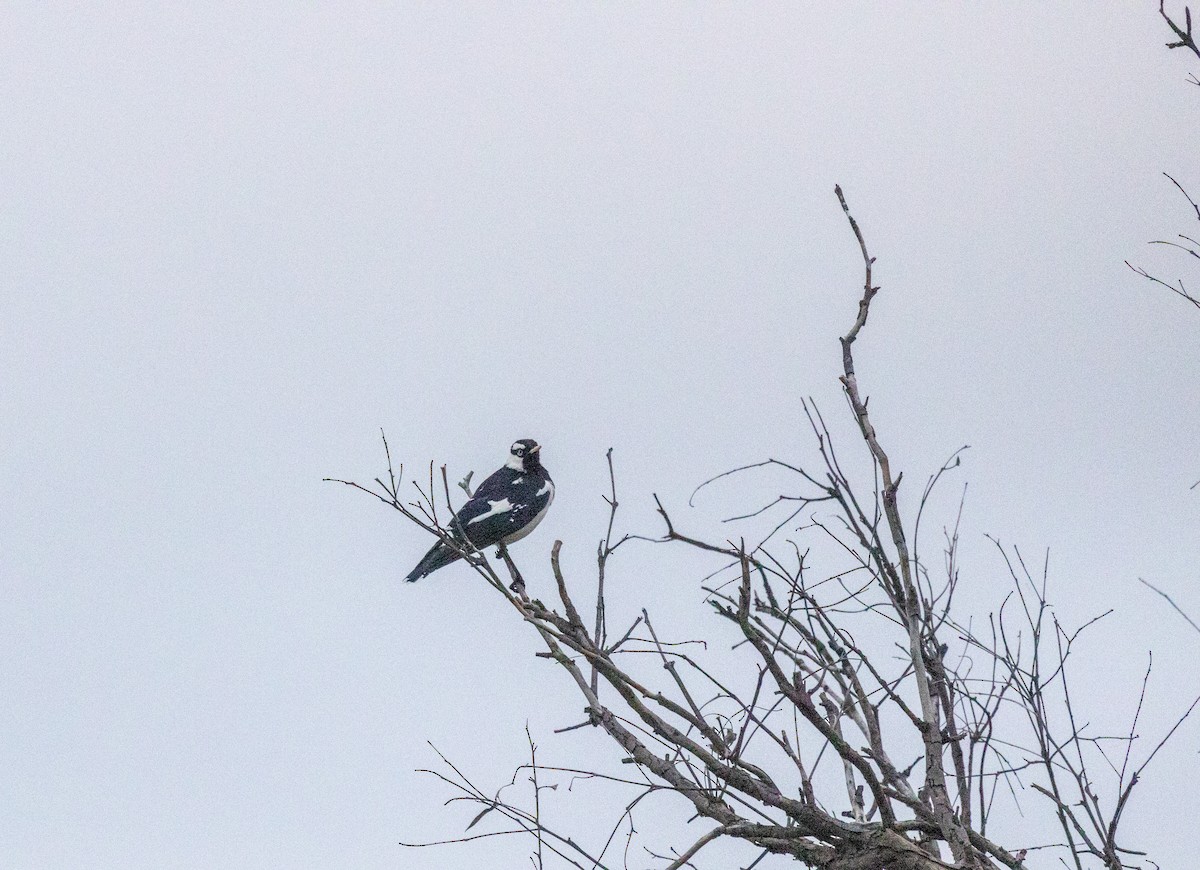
[{"x": 505, "y": 508}]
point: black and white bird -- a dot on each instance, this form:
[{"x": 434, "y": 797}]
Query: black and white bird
[{"x": 505, "y": 508}]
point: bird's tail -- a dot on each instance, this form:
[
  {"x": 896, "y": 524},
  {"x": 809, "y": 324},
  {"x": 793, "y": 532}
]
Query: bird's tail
[{"x": 439, "y": 556}]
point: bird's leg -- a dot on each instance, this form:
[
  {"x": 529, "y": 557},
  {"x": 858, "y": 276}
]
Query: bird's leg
[{"x": 518, "y": 583}]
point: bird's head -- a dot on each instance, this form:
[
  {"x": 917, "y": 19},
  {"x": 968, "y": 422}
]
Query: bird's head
[{"x": 524, "y": 455}]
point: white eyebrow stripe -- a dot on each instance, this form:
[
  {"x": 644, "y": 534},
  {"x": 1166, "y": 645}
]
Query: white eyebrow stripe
[{"x": 497, "y": 507}]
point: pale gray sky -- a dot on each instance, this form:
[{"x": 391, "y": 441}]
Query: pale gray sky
[{"x": 238, "y": 240}]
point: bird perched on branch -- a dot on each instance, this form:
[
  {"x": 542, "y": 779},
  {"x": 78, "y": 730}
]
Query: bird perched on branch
[{"x": 505, "y": 508}]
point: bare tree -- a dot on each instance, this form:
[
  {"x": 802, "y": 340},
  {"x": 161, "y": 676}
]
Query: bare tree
[{"x": 864, "y": 722}]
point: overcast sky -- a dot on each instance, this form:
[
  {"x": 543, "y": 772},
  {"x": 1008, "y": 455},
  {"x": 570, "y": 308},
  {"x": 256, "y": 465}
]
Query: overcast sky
[{"x": 237, "y": 240}]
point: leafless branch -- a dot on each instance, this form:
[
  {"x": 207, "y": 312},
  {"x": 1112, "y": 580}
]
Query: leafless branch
[
  {"x": 1170, "y": 601},
  {"x": 1183, "y": 34}
]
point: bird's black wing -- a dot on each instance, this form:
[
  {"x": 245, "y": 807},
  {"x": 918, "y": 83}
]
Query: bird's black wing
[
  {"x": 503, "y": 505},
  {"x": 440, "y": 554},
  {"x": 494, "y": 488}
]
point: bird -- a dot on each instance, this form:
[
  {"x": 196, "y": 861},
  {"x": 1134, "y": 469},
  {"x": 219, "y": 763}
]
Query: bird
[{"x": 505, "y": 508}]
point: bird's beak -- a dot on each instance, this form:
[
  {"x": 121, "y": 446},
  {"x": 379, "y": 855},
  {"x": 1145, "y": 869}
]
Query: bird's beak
[{"x": 537, "y": 448}]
